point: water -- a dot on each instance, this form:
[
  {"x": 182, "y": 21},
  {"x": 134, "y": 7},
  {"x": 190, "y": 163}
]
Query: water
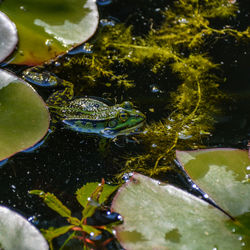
[{"x": 67, "y": 160}]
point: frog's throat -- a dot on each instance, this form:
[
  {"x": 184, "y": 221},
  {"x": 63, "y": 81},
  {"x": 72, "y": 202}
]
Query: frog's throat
[{"x": 111, "y": 132}]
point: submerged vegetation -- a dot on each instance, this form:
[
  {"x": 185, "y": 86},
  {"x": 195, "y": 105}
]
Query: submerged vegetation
[
  {"x": 182, "y": 43},
  {"x": 91, "y": 196}
]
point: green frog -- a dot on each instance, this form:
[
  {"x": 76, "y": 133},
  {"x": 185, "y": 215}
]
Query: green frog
[{"x": 85, "y": 114}]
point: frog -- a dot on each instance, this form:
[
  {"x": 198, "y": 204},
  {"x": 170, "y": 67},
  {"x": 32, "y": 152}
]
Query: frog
[{"x": 85, "y": 114}]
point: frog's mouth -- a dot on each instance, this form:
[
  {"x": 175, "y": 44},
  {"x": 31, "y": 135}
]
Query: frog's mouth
[{"x": 111, "y": 133}]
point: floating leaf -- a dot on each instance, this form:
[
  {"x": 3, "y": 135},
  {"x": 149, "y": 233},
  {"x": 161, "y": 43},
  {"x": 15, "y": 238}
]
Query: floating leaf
[
  {"x": 49, "y": 28},
  {"x": 8, "y": 36},
  {"x": 161, "y": 216},
  {"x": 24, "y": 115},
  {"x": 16, "y": 233},
  {"x": 223, "y": 174}
]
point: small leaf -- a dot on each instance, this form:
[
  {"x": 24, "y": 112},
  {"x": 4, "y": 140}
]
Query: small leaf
[
  {"x": 52, "y": 233},
  {"x": 88, "y": 211},
  {"x": 8, "y": 36},
  {"x": 16, "y": 233},
  {"x": 85, "y": 192},
  {"x": 37, "y": 192},
  {"x": 92, "y": 204},
  {"x": 53, "y": 202},
  {"x": 91, "y": 230},
  {"x": 106, "y": 192}
]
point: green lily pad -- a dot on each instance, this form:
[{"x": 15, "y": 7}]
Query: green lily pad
[
  {"x": 224, "y": 174},
  {"x": 161, "y": 216},
  {"x": 24, "y": 115},
  {"x": 49, "y": 28},
  {"x": 16, "y": 233},
  {"x": 8, "y": 36}
]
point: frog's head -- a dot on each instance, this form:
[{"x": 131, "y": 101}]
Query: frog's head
[{"x": 126, "y": 120}]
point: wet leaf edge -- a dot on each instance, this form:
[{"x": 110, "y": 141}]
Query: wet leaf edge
[
  {"x": 12, "y": 27},
  {"x": 15, "y": 78}
]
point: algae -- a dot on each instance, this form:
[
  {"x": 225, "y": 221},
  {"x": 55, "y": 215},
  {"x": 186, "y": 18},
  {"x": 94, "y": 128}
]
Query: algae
[{"x": 182, "y": 43}]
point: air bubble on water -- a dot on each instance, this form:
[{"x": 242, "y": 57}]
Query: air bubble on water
[
  {"x": 155, "y": 89},
  {"x": 126, "y": 177},
  {"x": 107, "y": 22},
  {"x": 48, "y": 42},
  {"x": 205, "y": 196},
  {"x": 57, "y": 64},
  {"x": 23, "y": 8},
  {"x": 82, "y": 49},
  {"x": 13, "y": 188},
  {"x": 33, "y": 219},
  {"x": 183, "y": 20}
]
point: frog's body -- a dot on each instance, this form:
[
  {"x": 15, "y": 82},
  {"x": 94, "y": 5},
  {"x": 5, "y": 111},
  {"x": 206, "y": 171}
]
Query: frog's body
[
  {"x": 89, "y": 115},
  {"x": 86, "y": 114}
]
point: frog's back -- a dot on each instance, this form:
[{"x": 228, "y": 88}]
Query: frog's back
[
  {"x": 87, "y": 108},
  {"x": 87, "y": 114}
]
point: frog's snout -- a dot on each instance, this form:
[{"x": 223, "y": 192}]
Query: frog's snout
[{"x": 140, "y": 116}]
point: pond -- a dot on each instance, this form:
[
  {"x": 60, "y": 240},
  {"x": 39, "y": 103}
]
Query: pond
[{"x": 68, "y": 159}]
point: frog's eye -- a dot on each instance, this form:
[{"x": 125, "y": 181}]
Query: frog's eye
[
  {"x": 123, "y": 116},
  {"x": 127, "y": 105},
  {"x": 112, "y": 123}
]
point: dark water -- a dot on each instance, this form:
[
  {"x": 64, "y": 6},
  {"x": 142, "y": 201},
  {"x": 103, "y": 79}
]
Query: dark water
[{"x": 68, "y": 160}]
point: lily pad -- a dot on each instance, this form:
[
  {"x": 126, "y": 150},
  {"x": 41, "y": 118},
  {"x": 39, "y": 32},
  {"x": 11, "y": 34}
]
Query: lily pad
[
  {"x": 224, "y": 174},
  {"x": 24, "y": 115},
  {"x": 8, "y": 36},
  {"x": 16, "y": 233},
  {"x": 49, "y": 28},
  {"x": 161, "y": 216}
]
